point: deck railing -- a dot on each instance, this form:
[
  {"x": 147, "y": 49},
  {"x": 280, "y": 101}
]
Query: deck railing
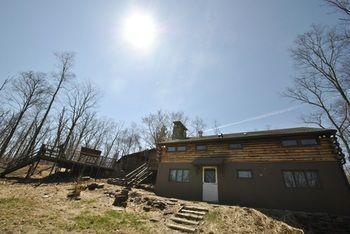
[{"x": 77, "y": 156}]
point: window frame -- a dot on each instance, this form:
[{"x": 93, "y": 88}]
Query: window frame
[
  {"x": 170, "y": 151},
  {"x": 304, "y": 171},
  {"x": 290, "y": 139},
  {"x": 235, "y": 148},
  {"x": 204, "y": 149},
  {"x": 184, "y": 146},
  {"x": 309, "y": 138},
  {"x": 176, "y": 175},
  {"x": 299, "y": 141},
  {"x": 244, "y": 178}
]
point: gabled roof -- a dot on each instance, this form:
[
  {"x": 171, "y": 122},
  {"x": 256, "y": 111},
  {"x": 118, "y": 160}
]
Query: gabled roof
[{"x": 256, "y": 134}]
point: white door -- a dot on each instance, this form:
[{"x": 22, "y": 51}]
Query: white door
[{"x": 210, "y": 184}]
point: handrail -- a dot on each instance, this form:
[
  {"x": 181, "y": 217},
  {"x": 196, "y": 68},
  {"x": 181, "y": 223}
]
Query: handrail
[{"x": 136, "y": 170}]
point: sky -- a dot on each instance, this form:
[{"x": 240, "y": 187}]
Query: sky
[{"x": 220, "y": 60}]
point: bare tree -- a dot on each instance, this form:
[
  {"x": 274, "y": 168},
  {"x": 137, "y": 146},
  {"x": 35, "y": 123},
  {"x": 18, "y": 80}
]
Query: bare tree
[
  {"x": 65, "y": 63},
  {"x": 197, "y": 126},
  {"x": 2, "y": 86},
  {"x": 27, "y": 91},
  {"x": 341, "y": 5},
  {"x": 216, "y": 128},
  {"x": 80, "y": 100},
  {"x": 322, "y": 57},
  {"x": 308, "y": 90},
  {"x": 157, "y": 126}
]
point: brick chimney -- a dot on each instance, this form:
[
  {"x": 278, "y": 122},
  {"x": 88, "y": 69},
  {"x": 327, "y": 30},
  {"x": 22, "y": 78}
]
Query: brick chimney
[{"x": 179, "y": 130}]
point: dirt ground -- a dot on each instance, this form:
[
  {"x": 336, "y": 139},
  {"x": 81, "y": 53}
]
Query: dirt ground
[{"x": 40, "y": 205}]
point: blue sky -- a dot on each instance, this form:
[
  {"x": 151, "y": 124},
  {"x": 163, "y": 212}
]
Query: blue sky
[{"x": 220, "y": 60}]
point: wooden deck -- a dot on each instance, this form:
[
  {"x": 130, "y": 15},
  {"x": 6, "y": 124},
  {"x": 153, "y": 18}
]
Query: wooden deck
[{"x": 78, "y": 160}]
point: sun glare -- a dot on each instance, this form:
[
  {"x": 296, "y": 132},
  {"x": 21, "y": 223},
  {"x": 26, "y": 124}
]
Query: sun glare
[{"x": 140, "y": 31}]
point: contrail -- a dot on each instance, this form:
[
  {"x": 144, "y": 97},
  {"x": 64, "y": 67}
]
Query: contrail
[{"x": 263, "y": 116}]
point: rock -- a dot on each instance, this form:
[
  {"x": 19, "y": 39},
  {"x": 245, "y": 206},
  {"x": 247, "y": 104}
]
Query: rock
[
  {"x": 117, "y": 208},
  {"x": 116, "y": 181},
  {"x": 134, "y": 194},
  {"x": 85, "y": 178},
  {"x": 46, "y": 196},
  {"x": 120, "y": 200},
  {"x": 137, "y": 200},
  {"x": 94, "y": 186},
  {"x": 155, "y": 219},
  {"x": 75, "y": 194},
  {"x": 173, "y": 200},
  {"x": 110, "y": 193},
  {"x": 168, "y": 212},
  {"x": 125, "y": 191},
  {"x": 146, "y": 208},
  {"x": 156, "y": 204},
  {"x": 147, "y": 187}
]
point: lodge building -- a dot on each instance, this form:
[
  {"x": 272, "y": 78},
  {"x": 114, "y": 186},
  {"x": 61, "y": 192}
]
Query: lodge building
[{"x": 295, "y": 169}]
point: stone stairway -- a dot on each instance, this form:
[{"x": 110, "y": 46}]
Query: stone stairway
[{"x": 187, "y": 219}]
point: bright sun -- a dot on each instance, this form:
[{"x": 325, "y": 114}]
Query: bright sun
[{"x": 140, "y": 30}]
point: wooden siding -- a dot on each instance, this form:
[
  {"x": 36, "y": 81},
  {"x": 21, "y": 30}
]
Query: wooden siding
[{"x": 254, "y": 150}]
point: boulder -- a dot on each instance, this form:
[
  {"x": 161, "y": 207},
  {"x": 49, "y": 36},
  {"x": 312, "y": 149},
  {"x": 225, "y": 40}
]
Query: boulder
[
  {"x": 120, "y": 200},
  {"x": 94, "y": 186}
]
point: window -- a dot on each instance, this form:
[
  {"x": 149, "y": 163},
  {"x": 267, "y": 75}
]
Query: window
[
  {"x": 172, "y": 176},
  {"x": 179, "y": 175},
  {"x": 289, "y": 179},
  {"x": 209, "y": 175},
  {"x": 310, "y": 141},
  {"x": 235, "y": 146},
  {"x": 301, "y": 179},
  {"x": 294, "y": 142},
  {"x": 201, "y": 147},
  {"x": 244, "y": 174},
  {"x": 289, "y": 142},
  {"x": 312, "y": 179},
  {"x": 181, "y": 148},
  {"x": 171, "y": 149}
]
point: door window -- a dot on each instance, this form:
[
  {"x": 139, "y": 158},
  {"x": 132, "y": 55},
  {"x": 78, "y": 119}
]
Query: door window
[{"x": 209, "y": 175}]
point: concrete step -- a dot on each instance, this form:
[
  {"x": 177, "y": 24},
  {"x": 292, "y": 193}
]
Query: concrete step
[
  {"x": 184, "y": 221},
  {"x": 189, "y": 216},
  {"x": 196, "y": 208},
  {"x": 181, "y": 227},
  {"x": 192, "y": 212}
]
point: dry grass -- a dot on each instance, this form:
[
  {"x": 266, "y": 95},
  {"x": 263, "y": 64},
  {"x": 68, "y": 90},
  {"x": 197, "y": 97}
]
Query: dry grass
[
  {"x": 27, "y": 207},
  {"x": 235, "y": 219},
  {"x": 109, "y": 221}
]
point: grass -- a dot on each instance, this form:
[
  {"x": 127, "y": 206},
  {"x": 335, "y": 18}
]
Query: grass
[
  {"x": 212, "y": 216},
  {"x": 214, "y": 219},
  {"x": 15, "y": 205},
  {"x": 14, "y": 209},
  {"x": 109, "y": 221}
]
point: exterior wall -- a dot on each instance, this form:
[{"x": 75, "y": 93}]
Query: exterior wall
[
  {"x": 130, "y": 162},
  {"x": 266, "y": 189},
  {"x": 254, "y": 150}
]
